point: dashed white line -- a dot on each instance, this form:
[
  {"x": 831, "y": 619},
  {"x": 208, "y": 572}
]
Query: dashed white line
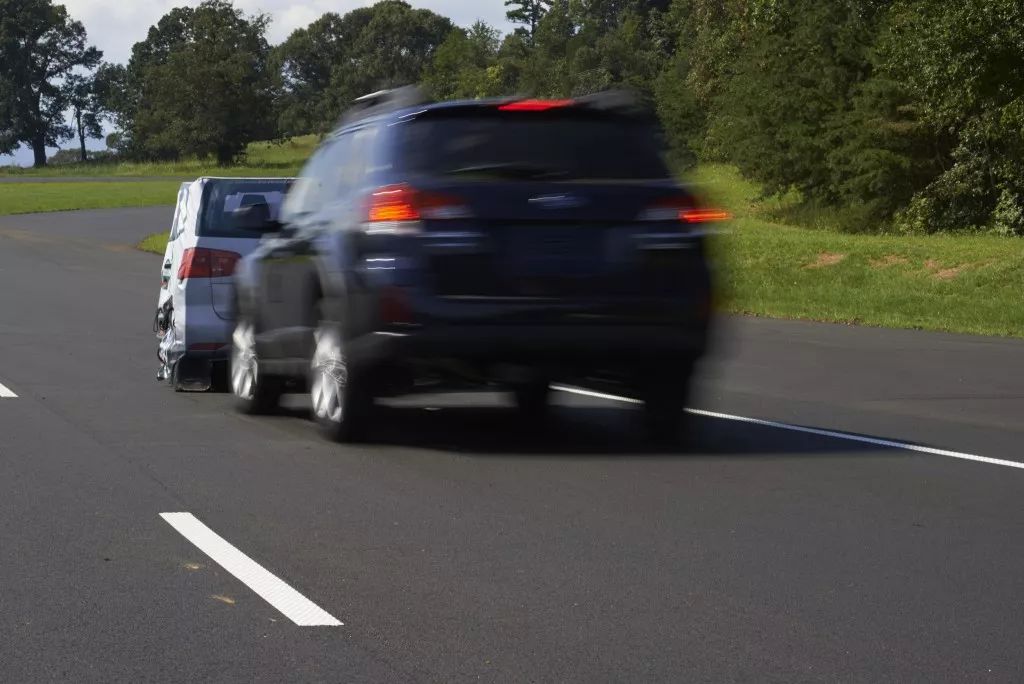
[
  {"x": 6, "y": 393},
  {"x": 833, "y": 434},
  {"x": 272, "y": 589}
]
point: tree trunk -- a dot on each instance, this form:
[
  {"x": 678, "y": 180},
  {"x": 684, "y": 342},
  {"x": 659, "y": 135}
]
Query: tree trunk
[
  {"x": 81, "y": 134},
  {"x": 225, "y": 155},
  {"x": 39, "y": 152}
]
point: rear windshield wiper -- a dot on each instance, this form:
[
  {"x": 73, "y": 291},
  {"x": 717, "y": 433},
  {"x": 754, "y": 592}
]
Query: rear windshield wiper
[{"x": 514, "y": 170}]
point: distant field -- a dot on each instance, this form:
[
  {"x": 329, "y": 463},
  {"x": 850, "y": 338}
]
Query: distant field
[
  {"x": 262, "y": 159},
  {"x": 963, "y": 283},
  {"x": 27, "y": 198}
]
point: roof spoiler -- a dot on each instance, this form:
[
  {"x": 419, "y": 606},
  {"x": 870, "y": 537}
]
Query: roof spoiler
[
  {"x": 384, "y": 101},
  {"x": 619, "y": 101}
]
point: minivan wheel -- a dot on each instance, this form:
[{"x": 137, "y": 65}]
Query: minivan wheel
[
  {"x": 341, "y": 401},
  {"x": 254, "y": 392}
]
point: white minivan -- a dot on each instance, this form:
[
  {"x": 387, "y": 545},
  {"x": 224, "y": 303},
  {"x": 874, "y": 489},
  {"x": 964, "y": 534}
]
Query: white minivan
[{"x": 216, "y": 222}]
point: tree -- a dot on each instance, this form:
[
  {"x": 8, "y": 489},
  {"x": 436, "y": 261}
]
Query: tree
[
  {"x": 86, "y": 110},
  {"x": 393, "y": 49},
  {"x": 338, "y": 58},
  {"x": 305, "y": 62},
  {"x": 199, "y": 85},
  {"x": 465, "y": 65},
  {"x": 528, "y": 12},
  {"x": 960, "y": 67},
  {"x": 775, "y": 116},
  {"x": 41, "y": 47}
]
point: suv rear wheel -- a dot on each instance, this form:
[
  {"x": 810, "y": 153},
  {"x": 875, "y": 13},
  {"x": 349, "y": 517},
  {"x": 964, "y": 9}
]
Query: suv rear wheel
[
  {"x": 341, "y": 399},
  {"x": 665, "y": 396},
  {"x": 254, "y": 392},
  {"x": 532, "y": 398}
]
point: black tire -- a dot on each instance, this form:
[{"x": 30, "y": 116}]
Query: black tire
[
  {"x": 220, "y": 378},
  {"x": 174, "y": 381},
  {"x": 341, "y": 398},
  {"x": 665, "y": 396},
  {"x": 255, "y": 393},
  {"x": 532, "y": 399}
]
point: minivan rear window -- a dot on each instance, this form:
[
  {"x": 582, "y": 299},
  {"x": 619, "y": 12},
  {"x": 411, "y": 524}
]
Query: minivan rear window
[
  {"x": 531, "y": 146},
  {"x": 223, "y": 197}
]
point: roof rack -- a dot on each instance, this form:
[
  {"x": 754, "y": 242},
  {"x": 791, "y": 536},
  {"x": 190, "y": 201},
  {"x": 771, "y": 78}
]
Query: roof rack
[
  {"x": 622, "y": 100},
  {"x": 383, "y": 101}
]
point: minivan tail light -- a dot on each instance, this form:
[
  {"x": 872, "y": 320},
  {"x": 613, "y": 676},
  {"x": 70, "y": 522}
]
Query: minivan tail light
[
  {"x": 393, "y": 208},
  {"x": 200, "y": 262}
]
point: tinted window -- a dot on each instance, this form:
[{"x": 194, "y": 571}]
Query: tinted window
[
  {"x": 354, "y": 167},
  {"x": 317, "y": 182},
  {"x": 224, "y": 197},
  {"x": 533, "y": 145}
]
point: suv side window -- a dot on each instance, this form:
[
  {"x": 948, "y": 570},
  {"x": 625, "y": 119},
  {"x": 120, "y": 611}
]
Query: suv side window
[
  {"x": 357, "y": 163},
  {"x": 313, "y": 187}
]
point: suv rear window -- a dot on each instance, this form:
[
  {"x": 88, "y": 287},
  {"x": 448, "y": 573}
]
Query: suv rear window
[
  {"x": 532, "y": 145},
  {"x": 223, "y": 197}
]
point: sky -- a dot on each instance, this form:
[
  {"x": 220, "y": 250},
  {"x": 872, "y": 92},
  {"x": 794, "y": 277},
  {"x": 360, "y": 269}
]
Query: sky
[{"x": 115, "y": 25}]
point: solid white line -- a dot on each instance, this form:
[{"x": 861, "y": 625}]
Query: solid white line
[
  {"x": 6, "y": 393},
  {"x": 874, "y": 441},
  {"x": 274, "y": 591}
]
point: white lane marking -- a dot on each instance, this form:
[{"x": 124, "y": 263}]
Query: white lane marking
[
  {"x": 874, "y": 441},
  {"x": 274, "y": 591},
  {"x": 6, "y": 393}
]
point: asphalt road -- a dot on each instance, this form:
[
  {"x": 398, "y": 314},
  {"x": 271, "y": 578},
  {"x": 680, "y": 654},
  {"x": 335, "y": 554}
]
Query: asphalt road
[{"x": 463, "y": 545}]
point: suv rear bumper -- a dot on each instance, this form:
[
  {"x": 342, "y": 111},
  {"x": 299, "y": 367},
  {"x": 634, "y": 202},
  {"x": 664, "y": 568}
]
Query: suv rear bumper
[{"x": 564, "y": 344}]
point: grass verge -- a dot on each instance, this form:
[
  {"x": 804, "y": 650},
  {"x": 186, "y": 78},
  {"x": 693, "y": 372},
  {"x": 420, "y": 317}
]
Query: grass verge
[
  {"x": 155, "y": 243},
  {"x": 962, "y": 283},
  {"x": 28, "y": 198},
  {"x": 275, "y": 158}
]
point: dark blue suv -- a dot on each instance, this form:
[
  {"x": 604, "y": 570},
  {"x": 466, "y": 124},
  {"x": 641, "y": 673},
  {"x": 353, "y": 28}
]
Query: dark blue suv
[{"x": 514, "y": 242}]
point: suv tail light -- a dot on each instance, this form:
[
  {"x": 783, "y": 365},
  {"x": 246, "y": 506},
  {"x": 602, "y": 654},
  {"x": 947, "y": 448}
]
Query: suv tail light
[
  {"x": 199, "y": 262},
  {"x": 682, "y": 209},
  {"x": 399, "y": 208}
]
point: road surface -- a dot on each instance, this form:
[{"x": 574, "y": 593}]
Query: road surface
[{"x": 465, "y": 546}]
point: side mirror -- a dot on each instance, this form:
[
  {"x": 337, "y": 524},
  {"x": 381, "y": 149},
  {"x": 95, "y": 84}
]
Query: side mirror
[{"x": 256, "y": 218}]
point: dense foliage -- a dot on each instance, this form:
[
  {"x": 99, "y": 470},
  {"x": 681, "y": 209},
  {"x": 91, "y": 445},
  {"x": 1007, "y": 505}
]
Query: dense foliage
[
  {"x": 198, "y": 85},
  {"x": 41, "y": 47},
  {"x": 890, "y": 114},
  {"x": 325, "y": 66}
]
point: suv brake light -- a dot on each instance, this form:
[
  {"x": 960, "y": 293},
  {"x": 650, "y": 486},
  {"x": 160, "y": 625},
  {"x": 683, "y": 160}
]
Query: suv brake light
[
  {"x": 704, "y": 215},
  {"x": 534, "y": 105},
  {"x": 682, "y": 209},
  {"x": 398, "y": 208},
  {"x": 200, "y": 262}
]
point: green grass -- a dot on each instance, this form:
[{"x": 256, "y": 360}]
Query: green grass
[
  {"x": 968, "y": 283},
  {"x": 962, "y": 283},
  {"x": 283, "y": 158},
  {"x": 262, "y": 159},
  {"x": 155, "y": 243},
  {"x": 26, "y": 198}
]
